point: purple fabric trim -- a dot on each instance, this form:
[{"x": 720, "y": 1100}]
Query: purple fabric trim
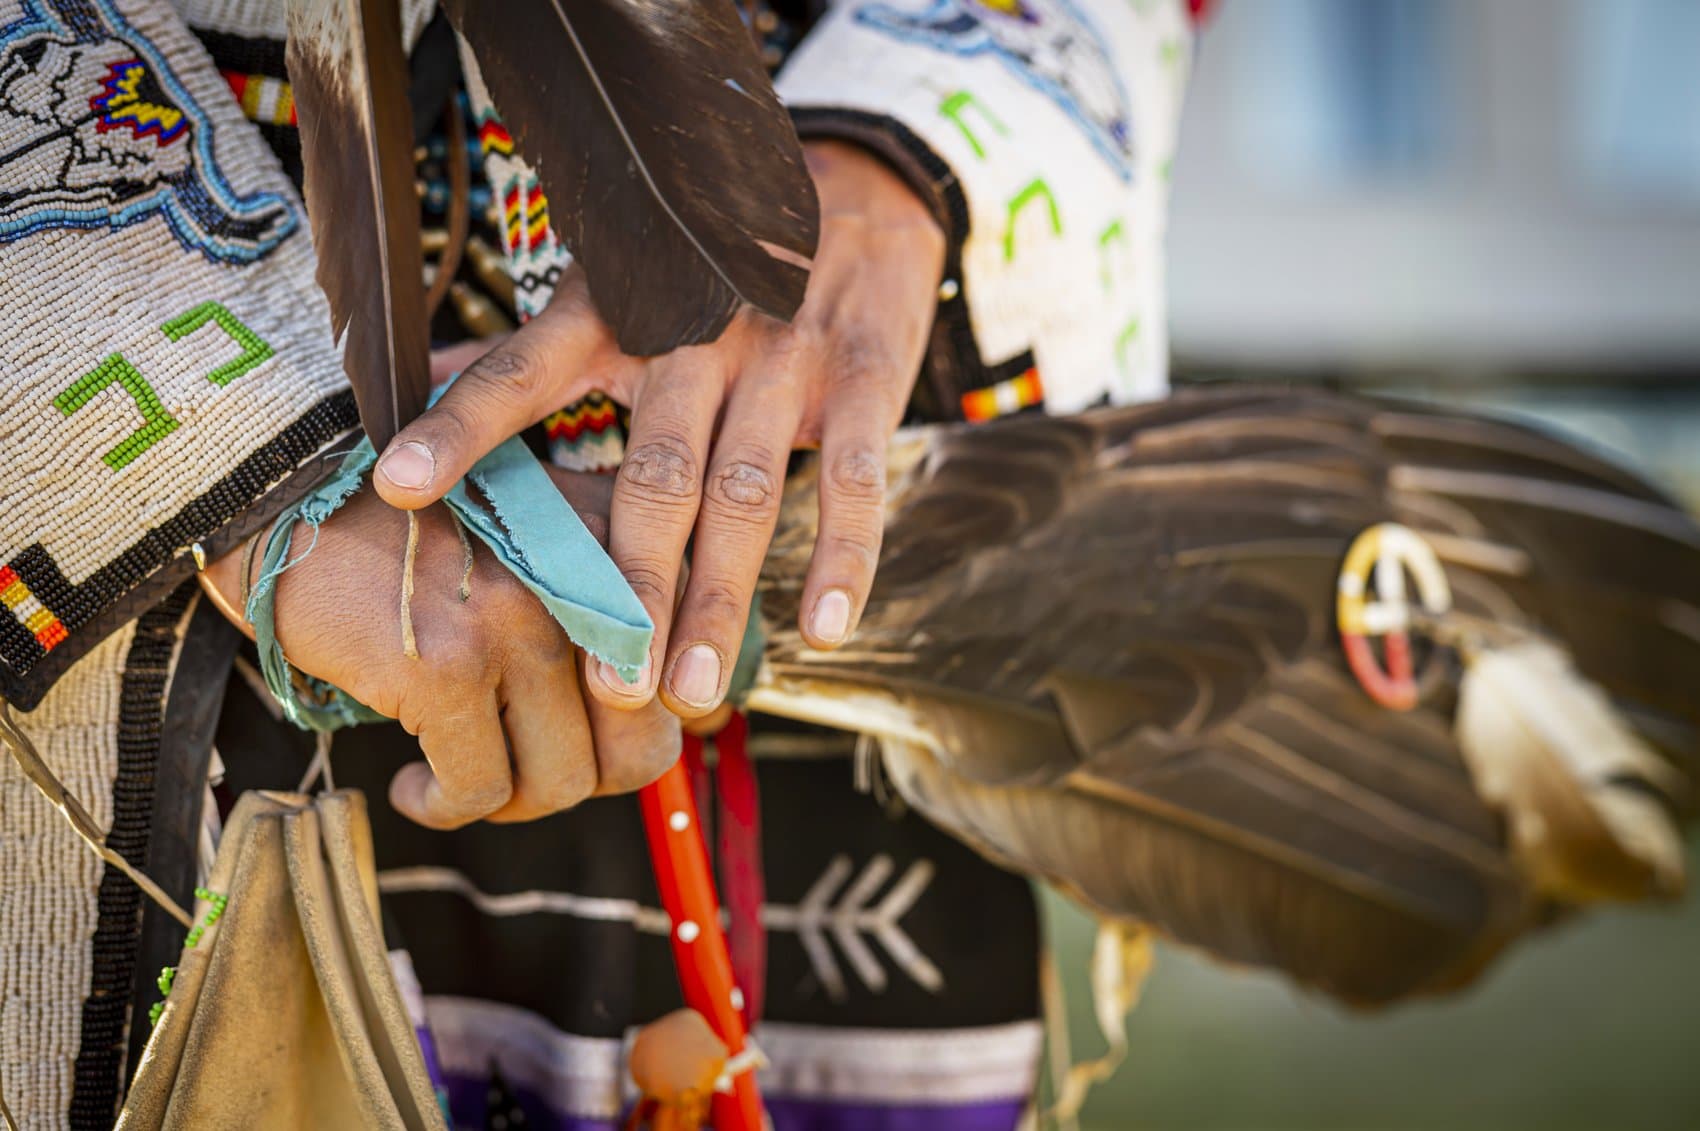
[
  {"x": 468, "y": 1103},
  {"x": 828, "y": 1115}
]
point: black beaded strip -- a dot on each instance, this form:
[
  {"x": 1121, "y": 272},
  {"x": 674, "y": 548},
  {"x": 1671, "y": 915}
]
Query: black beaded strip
[
  {"x": 257, "y": 55},
  {"x": 106, "y": 1011},
  {"x": 954, "y": 366},
  {"x": 122, "y": 588}
]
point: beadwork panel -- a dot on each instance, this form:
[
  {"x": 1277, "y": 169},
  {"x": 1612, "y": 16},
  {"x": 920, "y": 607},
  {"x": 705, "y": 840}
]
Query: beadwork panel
[
  {"x": 167, "y": 357},
  {"x": 49, "y": 885}
]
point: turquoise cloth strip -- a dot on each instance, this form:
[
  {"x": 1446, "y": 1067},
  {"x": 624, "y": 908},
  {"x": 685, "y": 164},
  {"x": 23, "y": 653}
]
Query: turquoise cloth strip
[{"x": 521, "y": 517}]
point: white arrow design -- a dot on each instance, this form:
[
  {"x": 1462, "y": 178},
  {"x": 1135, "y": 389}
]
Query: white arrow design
[{"x": 850, "y": 919}]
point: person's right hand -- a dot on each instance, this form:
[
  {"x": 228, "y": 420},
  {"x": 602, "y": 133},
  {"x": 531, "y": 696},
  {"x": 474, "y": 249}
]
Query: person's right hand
[{"x": 495, "y": 696}]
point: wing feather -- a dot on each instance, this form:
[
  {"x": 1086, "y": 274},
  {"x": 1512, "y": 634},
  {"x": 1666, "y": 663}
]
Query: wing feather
[
  {"x": 1103, "y": 651},
  {"x": 349, "y": 76},
  {"x": 673, "y": 173}
]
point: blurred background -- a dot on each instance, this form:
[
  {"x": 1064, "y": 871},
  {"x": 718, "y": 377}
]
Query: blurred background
[{"x": 1486, "y": 202}]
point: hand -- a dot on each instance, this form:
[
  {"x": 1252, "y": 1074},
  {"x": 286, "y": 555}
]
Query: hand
[
  {"x": 495, "y": 695},
  {"x": 713, "y": 426}
]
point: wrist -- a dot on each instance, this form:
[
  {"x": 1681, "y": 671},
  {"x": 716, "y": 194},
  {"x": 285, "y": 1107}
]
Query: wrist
[
  {"x": 224, "y": 584},
  {"x": 856, "y": 177}
]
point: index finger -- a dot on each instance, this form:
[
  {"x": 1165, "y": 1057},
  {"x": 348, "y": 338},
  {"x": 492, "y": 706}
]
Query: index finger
[{"x": 554, "y": 359}]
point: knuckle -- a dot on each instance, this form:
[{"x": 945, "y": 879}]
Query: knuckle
[
  {"x": 480, "y": 796},
  {"x": 652, "y": 584},
  {"x": 637, "y": 763},
  {"x": 661, "y": 468},
  {"x": 596, "y": 525},
  {"x": 788, "y": 346},
  {"x": 745, "y": 485},
  {"x": 857, "y": 474},
  {"x": 861, "y": 555},
  {"x": 453, "y": 422},
  {"x": 547, "y": 647},
  {"x": 858, "y": 360},
  {"x": 505, "y": 365},
  {"x": 721, "y": 604},
  {"x": 455, "y": 662},
  {"x": 567, "y": 788},
  {"x": 638, "y": 767}
]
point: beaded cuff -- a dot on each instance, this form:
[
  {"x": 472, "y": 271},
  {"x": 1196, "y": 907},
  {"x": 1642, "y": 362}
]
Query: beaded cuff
[
  {"x": 166, "y": 361},
  {"x": 1042, "y": 138}
]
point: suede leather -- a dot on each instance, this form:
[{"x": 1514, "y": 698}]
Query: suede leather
[{"x": 285, "y": 1015}]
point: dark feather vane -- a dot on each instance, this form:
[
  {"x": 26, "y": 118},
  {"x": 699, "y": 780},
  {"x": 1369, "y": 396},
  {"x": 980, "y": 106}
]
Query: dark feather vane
[
  {"x": 672, "y": 171},
  {"x": 349, "y": 74},
  {"x": 1102, "y": 649}
]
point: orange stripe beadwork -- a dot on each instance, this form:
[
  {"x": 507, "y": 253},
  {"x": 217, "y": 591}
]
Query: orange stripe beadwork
[
  {"x": 1003, "y": 398},
  {"x": 27, "y": 607},
  {"x": 13, "y": 591},
  {"x": 51, "y": 635},
  {"x": 536, "y": 222},
  {"x": 493, "y": 137},
  {"x": 251, "y": 93},
  {"x": 570, "y": 424}
]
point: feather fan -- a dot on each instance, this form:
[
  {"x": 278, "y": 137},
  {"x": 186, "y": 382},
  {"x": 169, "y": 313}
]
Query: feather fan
[
  {"x": 672, "y": 171},
  {"x": 349, "y": 74}
]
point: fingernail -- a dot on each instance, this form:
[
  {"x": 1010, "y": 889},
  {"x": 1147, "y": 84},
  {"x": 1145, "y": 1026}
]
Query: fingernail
[
  {"x": 410, "y": 465},
  {"x": 696, "y": 676},
  {"x": 612, "y": 678},
  {"x": 831, "y": 619}
]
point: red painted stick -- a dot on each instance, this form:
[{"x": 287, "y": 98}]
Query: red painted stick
[{"x": 686, "y": 883}]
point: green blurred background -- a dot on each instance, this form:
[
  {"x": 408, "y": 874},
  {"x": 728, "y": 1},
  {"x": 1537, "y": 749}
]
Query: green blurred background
[{"x": 1592, "y": 1027}]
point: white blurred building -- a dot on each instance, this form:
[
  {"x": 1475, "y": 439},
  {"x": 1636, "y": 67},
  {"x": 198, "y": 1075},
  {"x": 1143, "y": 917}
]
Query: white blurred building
[{"x": 1441, "y": 184}]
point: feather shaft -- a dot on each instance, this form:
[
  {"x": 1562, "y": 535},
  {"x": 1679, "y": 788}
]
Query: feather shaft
[
  {"x": 36, "y": 770},
  {"x": 350, "y": 79}
]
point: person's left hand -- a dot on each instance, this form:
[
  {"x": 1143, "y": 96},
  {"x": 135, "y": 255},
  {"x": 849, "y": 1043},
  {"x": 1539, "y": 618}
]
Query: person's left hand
[{"x": 713, "y": 426}]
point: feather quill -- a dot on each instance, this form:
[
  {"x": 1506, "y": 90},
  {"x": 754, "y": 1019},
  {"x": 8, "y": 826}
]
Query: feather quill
[
  {"x": 672, "y": 171},
  {"x": 349, "y": 74}
]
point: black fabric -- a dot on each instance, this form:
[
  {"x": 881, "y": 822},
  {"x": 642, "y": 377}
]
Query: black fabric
[
  {"x": 434, "y": 76},
  {"x": 186, "y": 745},
  {"x": 100, "y": 1053},
  {"x": 977, "y": 923},
  {"x": 258, "y": 55}
]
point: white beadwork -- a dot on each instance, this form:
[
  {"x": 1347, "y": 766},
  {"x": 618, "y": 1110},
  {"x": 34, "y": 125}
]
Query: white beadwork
[
  {"x": 49, "y": 882},
  {"x": 77, "y": 296}
]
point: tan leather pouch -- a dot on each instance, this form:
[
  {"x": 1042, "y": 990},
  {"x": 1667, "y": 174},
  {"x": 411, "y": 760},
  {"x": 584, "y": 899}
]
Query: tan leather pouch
[{"x": 285, "y": 1014}]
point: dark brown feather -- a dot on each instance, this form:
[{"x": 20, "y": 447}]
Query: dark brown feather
[
  {"x": 349, "y": 75},
  {"x": 671, "y": 169},
  {"x": 1102, "y": 649}
]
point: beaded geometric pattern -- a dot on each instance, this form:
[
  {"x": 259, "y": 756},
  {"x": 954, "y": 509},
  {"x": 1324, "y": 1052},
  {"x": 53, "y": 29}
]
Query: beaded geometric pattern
[
  {"x": 587, "y": 435},
  {"x": 100, "y": 132},
  {"x": 534, "y": 256},
  {"x": 167, "y": 355}
]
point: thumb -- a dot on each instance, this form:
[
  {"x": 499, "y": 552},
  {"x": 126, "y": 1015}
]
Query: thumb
[{"x": 554, "y": 359}]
